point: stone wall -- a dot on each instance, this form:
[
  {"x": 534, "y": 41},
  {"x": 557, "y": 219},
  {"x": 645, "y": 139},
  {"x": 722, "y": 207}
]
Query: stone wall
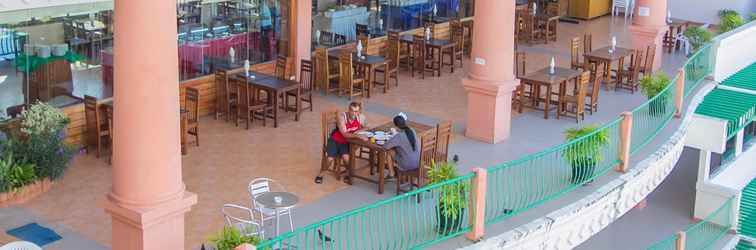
[{"x": 571, "y": 225}]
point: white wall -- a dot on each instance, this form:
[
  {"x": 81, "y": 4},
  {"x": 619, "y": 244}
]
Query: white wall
[
  {"x": 735, "y": 50},
  {"x": 705, "y": 11},
  {"x": 12, "y": 5}
]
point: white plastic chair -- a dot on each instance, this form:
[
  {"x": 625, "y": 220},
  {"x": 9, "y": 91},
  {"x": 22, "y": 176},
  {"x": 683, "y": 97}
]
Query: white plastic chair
[
  {"x": 263, "y": 185},
  {"x": 246, "y": 225},
  {"x": 20, "y": 245},
  {"x": 627, "y": 7}
]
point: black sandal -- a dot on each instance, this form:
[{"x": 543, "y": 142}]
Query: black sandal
[{"x": 319, "y": 179}]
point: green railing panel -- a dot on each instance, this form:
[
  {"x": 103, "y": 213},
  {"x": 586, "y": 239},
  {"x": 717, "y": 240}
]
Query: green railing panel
[
  {"x": 670, "y": 243},
  {"x": 408, "y": 221},
  {"x": 745, "y": 245},
  {"x": 652, "y": 116},
  {"x": 711, "y": 229},
  {"x": 698, "y": 66},
  {"x": 747, "y": 218},
  {"x": 522, "y": 184}
]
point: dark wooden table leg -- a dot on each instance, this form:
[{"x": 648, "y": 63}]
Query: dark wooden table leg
[
  {"x": 381, "y": 166},
  {"x": 275, "y": 108},
  {"x": 299, "y": 104},
  {"x": 547, "y": 102}
]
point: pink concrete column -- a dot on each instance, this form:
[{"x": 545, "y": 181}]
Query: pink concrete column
[
  {"x": 680, "y": 242},
  {"x": 649, "y": 26},
  {"x": 491, "y": 79},
  {"x": 626, "y": 130},
  {"x": 148, "y": 199},
  {"x": 303, "y": 31},
  {"x": 679, "y": 92},
  {"x": 478, "y": 204}
]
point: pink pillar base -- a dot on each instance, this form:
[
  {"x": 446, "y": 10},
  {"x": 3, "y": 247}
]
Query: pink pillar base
[
  {"x": 489, "y": 109},
  {"x": 149, "y": 228},
  {"x": 647, "y": 35}
]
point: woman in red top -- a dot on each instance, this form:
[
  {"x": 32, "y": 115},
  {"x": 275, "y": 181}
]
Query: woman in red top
[{"x": 349, "y": 123}]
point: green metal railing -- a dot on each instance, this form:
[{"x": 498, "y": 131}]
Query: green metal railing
[
  {"x": 747, "y": 218},
  {"x": 408, "y": 221},
  {"x": 652, "y": 116},
  {"x": 519, "y": 185},
  {"x": 670, "y": 243},
  {"x": 708, "y": 231},
  {"x": 698, "y": 66}
]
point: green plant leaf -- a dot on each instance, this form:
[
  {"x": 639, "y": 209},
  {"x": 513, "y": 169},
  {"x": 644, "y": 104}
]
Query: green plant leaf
[
  {"x": 230, "y": 238},
  {"x": 653, "y": 85}
]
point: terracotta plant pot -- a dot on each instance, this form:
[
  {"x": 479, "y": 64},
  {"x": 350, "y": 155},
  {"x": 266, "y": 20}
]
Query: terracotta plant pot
[{"x": 25, "y": 193}]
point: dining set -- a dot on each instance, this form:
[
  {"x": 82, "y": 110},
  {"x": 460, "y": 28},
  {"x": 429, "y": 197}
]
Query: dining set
[
  {"x": 573, "y": 91},
  {"x": 249, "y": 96},
  {"x": 356, "y": 71},
  {"x": 535, "y": 25},
  {"x": 434, "y": 147},
  {"x": 270, "y": 201}
]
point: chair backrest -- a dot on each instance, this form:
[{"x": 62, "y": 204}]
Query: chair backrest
[
  {"x": 648, "y": 65},
  {"x": 109, "y": 116},
  {"x": 595, "y": 85},
  {"x": 393, "y": 35},
  {"x": 326, "y": 37},
  {"x": 587, "y": 43},
  {"x": 637, "y": 64},
  {"x": 329, "y": 121},
  {"x": 418, "y": 43},
  {"x": 191, "y": 103},
  {"x": 428, "y": 148},
  {"x": 241, "y": 218},
  {"x": 393, "y": 54},
  {"x": 339, "y": 39},
  {"x": 552, "y": 9},
  {"x": 92, "y": 117},
  {"x": 321, "y": 67},
  {"x": 520, "y": 64},
  {"x": 575, "y": 50},
  {"x": 306, "y": 75},
  {"x": 243, "y": 99},
  {"x": 260, "y": 186},
  {"x": 345, "y": 70},
  {"x": 443, "y": 138},
  {"x": 221, "y": 85},
  {"x": 20, "y": 245},
  {"x": 582, "y": 90},
  {"x": 281, "y": 67},
  {"x": 365, "y": 40},
  {"x": 458, "y": 37}
]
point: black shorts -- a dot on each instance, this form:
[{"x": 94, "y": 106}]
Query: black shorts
[{"x": 334, "y": 149}]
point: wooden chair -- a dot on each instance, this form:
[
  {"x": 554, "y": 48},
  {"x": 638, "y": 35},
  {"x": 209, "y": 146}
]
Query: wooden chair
[
  {"x": 520, "y": 93},
  {"x": 327, "y": 38},
  {"x": 416, "y": 177},
  {"x": 281, "y": 62},
  {"x": 348, "y": 84},
  {"x": 534, "y": 31},
  {"x": 587, "y": 43},
  {"x": 668, "y": 42},
  {"x": 458, "y": 38},
  {"x": 191, "y": 104},
  {"x": 630, "y": 78},
  {"x": 224, "y": 98},
  {"x": 577, "y": 99},
  {"x": 306, "y": 77},
  {"x": 594, "y": 88},
  {"x": 648, "y": 63},
  {"x": 392, "y": 68},
  {"x": 361, "y": 30},
  {"x": 552, "y": 22},
  {"x": 443, "y": 138},
  {"x": 328, "y": 80},
  {"x": 365, "y": 44},
  {"x": 98, "y": 130},
  {"x": 329, "y": 122},
  {"x": 575, "y": 53},
  {"x": 109, "y": 114},
  {"x": 250, "y": 105},
  {"x": 423, "y": 61}
]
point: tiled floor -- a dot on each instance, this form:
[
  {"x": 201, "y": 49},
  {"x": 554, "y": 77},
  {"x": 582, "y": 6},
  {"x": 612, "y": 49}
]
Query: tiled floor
[{"x": 230, "y": 157}]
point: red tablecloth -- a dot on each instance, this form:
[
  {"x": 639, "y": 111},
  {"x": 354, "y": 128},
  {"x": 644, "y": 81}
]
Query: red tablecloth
[{"x": 193, "y": 53}]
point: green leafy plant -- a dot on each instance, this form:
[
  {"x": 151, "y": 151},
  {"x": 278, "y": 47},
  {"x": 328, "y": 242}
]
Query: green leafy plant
[
  {"x": 14, "y": 174},
  {"x": 230, "y": 238},
  {"x": 752, "y": 17},
  {"x": 48, "y": 153},
  {"x": 729, "y": 20},
  {"x": 697, "y": 36},
  {"x": 583, "y": 152},
  {"x": 41, "y": 119},
  {"x": 654, "y": 84},
  {"x": 451, "y": 203}
]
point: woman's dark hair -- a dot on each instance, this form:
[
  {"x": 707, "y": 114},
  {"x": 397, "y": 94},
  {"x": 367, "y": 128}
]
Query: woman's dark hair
[{"x": 401, "y": 123}]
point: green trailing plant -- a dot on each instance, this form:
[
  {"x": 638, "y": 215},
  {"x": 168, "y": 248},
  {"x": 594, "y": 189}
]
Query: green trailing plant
[
  {"x": 452, "y": 196},
  {"x": 583, "y": 152},
  {"x": 654, "y": 84},
  {"x": 697, "y": 36},
  {"x": 230, "y": 238},
  {"x": 42, "y": 119},
  {"x": 48, "y": 153},
  {"x": 15, "y": 174},
  {"x": 729, "y": 20}
]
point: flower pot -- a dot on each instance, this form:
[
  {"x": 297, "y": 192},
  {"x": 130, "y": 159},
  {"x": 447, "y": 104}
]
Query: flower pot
[
  {"x": 582, "y": 170},
  {"x": 449, "y": 224}
]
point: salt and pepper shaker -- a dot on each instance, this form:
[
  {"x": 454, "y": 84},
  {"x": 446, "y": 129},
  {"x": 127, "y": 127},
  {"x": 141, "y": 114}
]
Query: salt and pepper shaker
[
  {"x": 552, "y": 64},
  {"x": 669, "y": 16},
  {"x": 317, "y": 37},
  {"x": 359, "y": 48},
  {"x": 427, "y": 34},
  {"x": 435, "y": 10},
  {"x": 380, "y": 23},
  {"x": 535, "y": 8}
]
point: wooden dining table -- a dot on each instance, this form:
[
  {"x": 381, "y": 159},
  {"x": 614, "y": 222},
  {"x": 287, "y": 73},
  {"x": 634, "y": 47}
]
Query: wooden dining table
[
  {"x": 542, "y": 78},
  {"x": 605, "y": 56},
  {"x": 382, "y": 154},
  {"x": 434, "y": 45},
  {"x": 184, "y": 123},
  {"x": 274, "y": 87},
  {"x": 368, "y": 62}
]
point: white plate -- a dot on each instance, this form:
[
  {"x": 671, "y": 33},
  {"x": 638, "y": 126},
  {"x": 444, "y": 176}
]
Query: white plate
[
  {"x": 380, "y": 142},
  {"x": 366, "y": 133},
  {"x": 379, "y": 133},
  {"x": 381, "y": 137}
]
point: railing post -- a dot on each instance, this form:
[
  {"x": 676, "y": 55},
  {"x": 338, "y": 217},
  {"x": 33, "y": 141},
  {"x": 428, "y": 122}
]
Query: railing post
[
  {"x": 680, "y": 92},
  {"x": 246, "y": 246},
  {"x": 478, "y": 204},
  {"x": 680, "y": 243},
  {"x": 626, "y": 129}
]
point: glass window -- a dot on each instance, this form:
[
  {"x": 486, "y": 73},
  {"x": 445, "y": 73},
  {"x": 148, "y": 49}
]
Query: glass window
[{"x": 222, "y": 34}]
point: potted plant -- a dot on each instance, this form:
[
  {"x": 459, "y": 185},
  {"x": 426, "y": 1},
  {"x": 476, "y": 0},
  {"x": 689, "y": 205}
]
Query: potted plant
[
  {"x": 697, "y": 37},
  {"x": 652, "y": 86},
  {"x": 14, "y": 175},
  {"x": 230, "y": 238},
  {"x": 729, "y": 20},
  {"x": 451, "y": 202},
  {"x": 584, "y": 155}
]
